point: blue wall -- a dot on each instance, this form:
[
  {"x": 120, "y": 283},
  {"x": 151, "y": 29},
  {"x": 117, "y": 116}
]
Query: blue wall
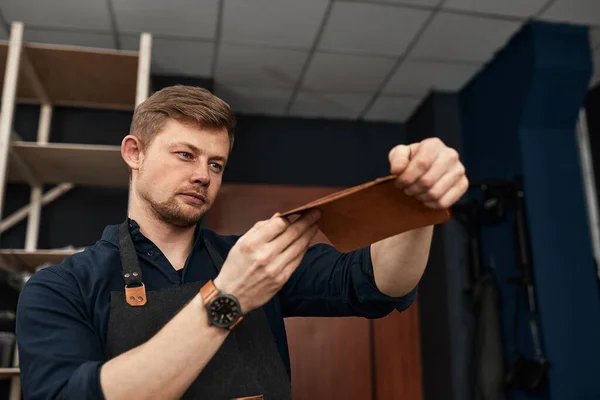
[{"x": 518, "y": 118}]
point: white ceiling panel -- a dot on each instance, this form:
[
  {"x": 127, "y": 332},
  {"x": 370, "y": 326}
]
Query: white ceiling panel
[
  {"x": 392, "y": 109},
  {"x": 290, "y": 23},
  {"x": 104, "y": 41},
  {"x": 576, "y": 11},
  {"x": 371, "y": 29},
  {"x": 76, "y": 14},
  {"x": 187, "y": 18},
  {"x": 176, "y": 57},
  {"x": 259, "y": 66},
  {"x": 341, "y": 73},
  {"x": 463, "y": 38},
  {"x": 253, "y": 100},
  {"x": 419, "y": 77},
  {"x": 315, "y": 105},
  {"x": 513, "y": 8}
]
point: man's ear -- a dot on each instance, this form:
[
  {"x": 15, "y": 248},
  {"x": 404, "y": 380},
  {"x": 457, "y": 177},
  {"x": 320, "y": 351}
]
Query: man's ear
[{"x": 131, "y": 151}]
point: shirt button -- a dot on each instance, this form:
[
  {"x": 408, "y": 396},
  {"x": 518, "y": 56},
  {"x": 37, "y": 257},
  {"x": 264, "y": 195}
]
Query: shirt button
[{"x": 151, "y": 253}]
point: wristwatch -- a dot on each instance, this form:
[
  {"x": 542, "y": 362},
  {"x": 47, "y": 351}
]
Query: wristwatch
[{"x": 223, "y": 309}]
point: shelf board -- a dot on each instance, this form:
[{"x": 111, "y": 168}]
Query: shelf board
[
  {"x": 78, "y": 76},
  {"x": 9, "y": 372},
  {"x": 29, "y": 260},
  {"x": 84, "y": 165}
]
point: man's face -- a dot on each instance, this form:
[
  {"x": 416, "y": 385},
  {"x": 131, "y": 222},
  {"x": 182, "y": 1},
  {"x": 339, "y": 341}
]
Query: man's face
[{"x": 181, "y": 171}]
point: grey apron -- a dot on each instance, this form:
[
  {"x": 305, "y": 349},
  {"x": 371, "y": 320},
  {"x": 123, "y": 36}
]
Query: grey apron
[{"x": 247, "y": 364}]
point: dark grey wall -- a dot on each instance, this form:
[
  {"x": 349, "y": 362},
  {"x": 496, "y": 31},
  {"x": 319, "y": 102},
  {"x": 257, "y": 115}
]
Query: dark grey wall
[
  {"x": 592, "y": 108},
  {"x": 446, "y": 326}
]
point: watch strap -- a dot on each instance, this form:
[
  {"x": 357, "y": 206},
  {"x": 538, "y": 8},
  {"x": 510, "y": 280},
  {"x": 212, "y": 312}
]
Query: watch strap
[{"x": 208, "y": 292}]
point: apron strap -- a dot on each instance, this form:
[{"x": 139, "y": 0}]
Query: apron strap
[
  {"x": 216, "y": 258},
  {"x": 135, "y": 291}
]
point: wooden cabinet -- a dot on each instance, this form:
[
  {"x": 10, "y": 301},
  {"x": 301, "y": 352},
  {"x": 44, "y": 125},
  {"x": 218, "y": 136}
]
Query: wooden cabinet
[{"x": 331, "y": 358}]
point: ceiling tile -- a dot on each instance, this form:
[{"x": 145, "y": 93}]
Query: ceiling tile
[
  {"x": 85, "y": 39},
  {"x": 176, "y": 57},
  {"x": 259, "y": 66},
  {"x": 312, "y": 104},
  {"x": 392, "y": 109},
  {"x": 347, "y": 30},
  {"x": 343, "y": 73},
  {"x": 575, "y": 11},
  {"x": 513, "y": 8},
  {"x": 463, "y": 38},
  {"x": 275, "y": 22},
  {"x": 254, "y": 101},
  {"x": 190, "y": 18},
  {"x": 74, "y": 14},
  {"x": 419, "y": 77}
]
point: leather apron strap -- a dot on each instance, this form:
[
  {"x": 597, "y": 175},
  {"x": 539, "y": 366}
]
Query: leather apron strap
[{"x": 135, "y": 291}]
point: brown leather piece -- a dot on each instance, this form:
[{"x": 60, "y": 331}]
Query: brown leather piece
[
  {"x": 135, "y": 296},
  {"x": 370, "y": 212}
]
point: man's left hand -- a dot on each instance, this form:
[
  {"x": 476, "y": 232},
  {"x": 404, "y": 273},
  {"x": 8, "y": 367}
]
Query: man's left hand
[{"x": 430, "y": 171}]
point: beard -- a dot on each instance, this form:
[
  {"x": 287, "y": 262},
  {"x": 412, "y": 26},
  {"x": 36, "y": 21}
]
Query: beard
[{"x": 175, "y": 213}]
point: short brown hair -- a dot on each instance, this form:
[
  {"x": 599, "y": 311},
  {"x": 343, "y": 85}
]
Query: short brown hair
[{"x": 187, "y": 104}]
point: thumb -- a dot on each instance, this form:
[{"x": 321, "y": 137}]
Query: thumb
[{"x": 400, "y": 156}]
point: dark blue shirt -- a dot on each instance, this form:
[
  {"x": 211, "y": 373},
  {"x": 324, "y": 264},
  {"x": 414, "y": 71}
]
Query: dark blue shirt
[{"x": 63, "y": 310}]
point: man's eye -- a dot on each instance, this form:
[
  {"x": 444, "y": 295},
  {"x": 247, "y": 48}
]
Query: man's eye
[
  {"x": 216, "y": 166},
  {"x": 185, "y": 154}
]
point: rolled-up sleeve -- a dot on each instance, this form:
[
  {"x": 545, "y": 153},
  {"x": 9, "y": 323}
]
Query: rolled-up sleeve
[
  {"x": 329, "y": 283},
  {"x": 60, "y": 354}
]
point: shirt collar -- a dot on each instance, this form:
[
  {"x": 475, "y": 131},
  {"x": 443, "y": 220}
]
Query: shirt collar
[{"x": 141, "y": 242}]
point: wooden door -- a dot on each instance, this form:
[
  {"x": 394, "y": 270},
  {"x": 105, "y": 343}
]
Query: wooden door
[{"x": 331, "y": 358}]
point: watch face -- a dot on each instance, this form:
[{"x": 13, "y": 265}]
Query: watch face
[{"x": 224, "y": 311}]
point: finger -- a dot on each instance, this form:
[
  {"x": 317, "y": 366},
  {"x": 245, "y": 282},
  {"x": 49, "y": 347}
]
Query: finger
[
  {"x": 399, "y": 158},
  {"x": 443, "y": 185},
  {"x": 295, "y": 230},
  {"x": 291, "y": 257},
  {"x": 442, "y": 165},
  {"x": 452, "y": 196},
  {"x": 420, "y": 163},
  {"x": 267, "y": 230}
]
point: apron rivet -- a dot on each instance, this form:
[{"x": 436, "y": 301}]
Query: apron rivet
[
  {"x": 140, "y": 299},
  {"x": 132, "y": 298},
  {"x": 126, "y": 275}
]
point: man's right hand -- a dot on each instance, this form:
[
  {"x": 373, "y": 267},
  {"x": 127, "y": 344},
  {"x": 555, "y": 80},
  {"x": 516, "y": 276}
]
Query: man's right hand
[{"x": 263, "y": 259}]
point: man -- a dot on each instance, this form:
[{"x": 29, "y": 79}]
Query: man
[{"x": 159, "y": 308}]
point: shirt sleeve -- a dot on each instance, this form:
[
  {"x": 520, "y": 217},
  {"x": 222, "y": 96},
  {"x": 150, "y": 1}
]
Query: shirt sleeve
[
  {"x": 60, "y": 354},
  {"x": 329, "y": 283}
]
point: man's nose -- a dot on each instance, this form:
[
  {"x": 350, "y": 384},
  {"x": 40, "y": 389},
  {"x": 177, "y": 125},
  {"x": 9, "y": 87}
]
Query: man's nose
[{"x": 201, "y": 175}]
